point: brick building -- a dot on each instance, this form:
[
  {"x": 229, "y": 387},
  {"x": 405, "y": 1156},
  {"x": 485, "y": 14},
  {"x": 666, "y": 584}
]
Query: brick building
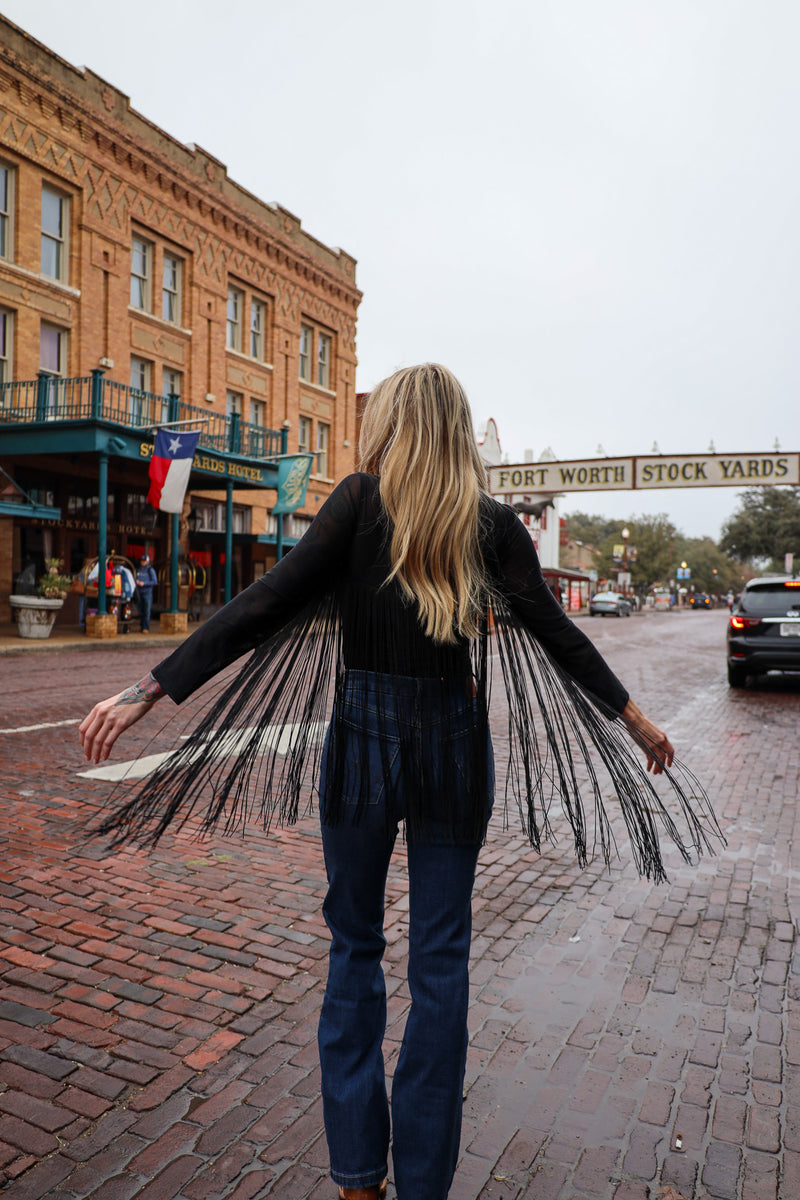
[{"x": 131, "y": 270}]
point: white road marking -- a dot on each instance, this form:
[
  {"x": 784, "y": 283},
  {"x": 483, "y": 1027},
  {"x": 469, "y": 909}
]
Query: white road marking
[
  {"x": 281, "y": 738},
  {"x": 44, "y": 725}
]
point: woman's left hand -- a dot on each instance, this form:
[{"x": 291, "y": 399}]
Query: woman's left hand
[{"x": 659, "y": 749}]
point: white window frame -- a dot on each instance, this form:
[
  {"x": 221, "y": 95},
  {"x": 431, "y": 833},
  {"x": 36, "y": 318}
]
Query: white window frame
[
  {"x": 166, "y": 390},
  {"x": 233, "y": 324},
  {"x": 323, "y": 449},
  {"x": 143, "y": 299},
  {"x": 7, "y": 214},
  {"x": 171, "y": 295},
  {"x": 324, "y": 341},
  {"x": 59, "y": 240},
  {"x": 177, "y": 376},
  {"x": 139, "y": 394},
  {"x": 304, "y": 430},
  {"x": 306, "y": 349},
  {"x": 258, "y": 322},
  {"x": 234, "y": 403},
  {"x": 6, "y": 346},
  {"x": 258, "y": 412}
]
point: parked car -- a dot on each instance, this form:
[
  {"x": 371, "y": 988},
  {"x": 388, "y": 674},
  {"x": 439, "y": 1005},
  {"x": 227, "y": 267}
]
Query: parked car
[
  {"x": 609, "y": 604},
  {"x": 700, "y": 600},
  {"x": 764, "y": 629}
]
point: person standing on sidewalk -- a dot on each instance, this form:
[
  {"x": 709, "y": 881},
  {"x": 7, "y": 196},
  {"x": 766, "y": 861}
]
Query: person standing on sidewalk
[
  {"x": 146, "y": 582},
  {"x": 393, "y": 591}
]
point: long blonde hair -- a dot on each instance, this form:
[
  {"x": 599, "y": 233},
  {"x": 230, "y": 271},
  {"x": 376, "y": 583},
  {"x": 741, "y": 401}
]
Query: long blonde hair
[{"x": 417, "y": 435}]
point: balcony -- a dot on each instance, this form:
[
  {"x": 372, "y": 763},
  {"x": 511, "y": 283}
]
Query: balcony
[{"x": 48, "y": 401}]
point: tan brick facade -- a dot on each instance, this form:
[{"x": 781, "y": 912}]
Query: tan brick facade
[{"x": 114, "y": 177}]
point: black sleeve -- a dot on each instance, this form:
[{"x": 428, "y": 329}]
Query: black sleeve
[
  {"x": 308, "y": 570},
  {"x": 523, "y": 587}
]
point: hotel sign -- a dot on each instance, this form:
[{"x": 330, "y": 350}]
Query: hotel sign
[
  {"x": 652, "y": 471},
  {"x": 212, "y": 464}
]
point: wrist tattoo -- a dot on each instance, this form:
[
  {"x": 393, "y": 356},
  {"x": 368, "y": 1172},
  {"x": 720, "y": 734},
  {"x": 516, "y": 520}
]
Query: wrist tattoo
[{"x": 147, "y": 689}]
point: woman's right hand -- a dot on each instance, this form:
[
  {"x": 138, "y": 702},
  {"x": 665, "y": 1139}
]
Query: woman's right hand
[{"x": 108, "y": 719}]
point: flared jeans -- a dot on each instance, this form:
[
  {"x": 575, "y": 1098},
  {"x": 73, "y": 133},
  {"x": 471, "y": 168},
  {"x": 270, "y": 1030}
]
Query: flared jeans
[{"x": 427, "y": 1089}]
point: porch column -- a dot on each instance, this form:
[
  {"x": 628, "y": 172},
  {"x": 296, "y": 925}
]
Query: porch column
[
  {"x": 228, "y": 541},
  {"x": 102, "y": 533},
  {"x": 279, "y": 516},
  {"x": 174, "y": 529},
  {"x": 96, "y": 394}
]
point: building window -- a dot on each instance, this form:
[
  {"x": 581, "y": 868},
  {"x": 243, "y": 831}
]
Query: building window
[
  {"x": 306, "y": 337},
  {"x": 5, "y": 347},
  {"x": 171, "y": 382},
  {"x": 141, "y": 273},
  {"x": 323, "y": 438},
  {"x": 304, "y": 435},
  {"x": 140, "y": 374},
  {"x": 234, "y": 328},
  {"x": 234, "y": 402},
  {"x": 257, "y": 322},
  {"x": 55, "y": 209},
  {"x": 171, "y": 385},
  {"x": 210, "y": 515},
  {"x": 52, "y": 349},
  {"x": 171, "y": 289},
  {"x": 258, "y": 420},
  {"x": 323, "y": 360},
  {"x": 6, "y": 211},
  {"x": 138, "y": 398}
]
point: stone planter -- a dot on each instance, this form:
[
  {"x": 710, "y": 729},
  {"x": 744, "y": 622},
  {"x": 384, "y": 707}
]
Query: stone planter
[{"x": 36, "y": 615}]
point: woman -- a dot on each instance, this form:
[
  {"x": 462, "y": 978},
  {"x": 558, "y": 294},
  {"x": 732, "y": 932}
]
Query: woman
[{"x": 391, "y": 590}]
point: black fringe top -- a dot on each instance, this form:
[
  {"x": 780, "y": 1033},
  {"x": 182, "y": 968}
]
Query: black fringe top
[{"x": 325, "y": 613}]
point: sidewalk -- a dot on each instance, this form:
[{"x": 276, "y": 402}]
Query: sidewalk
[{"x": 72, "y": 637}]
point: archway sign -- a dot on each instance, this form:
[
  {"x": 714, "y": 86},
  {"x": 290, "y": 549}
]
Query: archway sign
[{"x": 645, "y": 471}]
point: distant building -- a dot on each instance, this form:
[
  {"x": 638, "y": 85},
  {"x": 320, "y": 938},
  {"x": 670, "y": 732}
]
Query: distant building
[
  {"x": 132, "y": 270},
  {"x": 539, "y": 514}
]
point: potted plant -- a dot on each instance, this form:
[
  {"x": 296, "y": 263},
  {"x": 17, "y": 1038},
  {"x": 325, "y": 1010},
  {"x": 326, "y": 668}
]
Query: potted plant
[{"x": 36, "y": 615}]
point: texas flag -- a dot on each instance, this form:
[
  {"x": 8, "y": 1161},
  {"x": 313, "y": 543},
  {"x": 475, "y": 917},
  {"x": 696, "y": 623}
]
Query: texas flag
[{"x": 169, "y": 469}]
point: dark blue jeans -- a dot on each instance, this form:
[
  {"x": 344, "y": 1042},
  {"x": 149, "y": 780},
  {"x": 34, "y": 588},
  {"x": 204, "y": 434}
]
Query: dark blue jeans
[
  {"x": 429, "y": 1077},
  {"x": 144, "y": 601}
]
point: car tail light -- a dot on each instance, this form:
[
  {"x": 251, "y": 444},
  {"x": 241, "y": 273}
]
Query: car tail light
[
  {"x": 792, "y": 583},
  {"x": 744, "y": 622}
]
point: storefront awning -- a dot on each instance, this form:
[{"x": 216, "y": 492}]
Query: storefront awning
[
  {"x": 27, "y": 509},
  {"x": 15, "y": 502}
]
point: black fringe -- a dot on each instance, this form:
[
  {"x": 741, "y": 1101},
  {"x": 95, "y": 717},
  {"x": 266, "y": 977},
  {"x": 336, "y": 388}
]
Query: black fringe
[{"x": 256, "y": 752}]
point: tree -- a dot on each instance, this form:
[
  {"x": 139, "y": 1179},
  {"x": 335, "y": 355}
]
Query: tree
[
  {"x": 650, "y": 538},
  {"x": 583, "y": 527},
  {"x": 765, "y": 528},
  {"x": 712, "y": 570}
]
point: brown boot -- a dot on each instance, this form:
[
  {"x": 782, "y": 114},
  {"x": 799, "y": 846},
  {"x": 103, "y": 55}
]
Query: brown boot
[{"x": 364, "y": 1193}]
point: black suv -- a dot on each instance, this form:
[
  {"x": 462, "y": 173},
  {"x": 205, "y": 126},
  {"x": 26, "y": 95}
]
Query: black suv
[{"x": 764, "y": 629}]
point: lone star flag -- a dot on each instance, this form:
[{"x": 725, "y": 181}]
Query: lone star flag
[{"x": 169, "y": 469}]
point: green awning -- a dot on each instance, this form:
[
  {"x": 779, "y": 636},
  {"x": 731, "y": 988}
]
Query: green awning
[{"x": 28, "y": 509}]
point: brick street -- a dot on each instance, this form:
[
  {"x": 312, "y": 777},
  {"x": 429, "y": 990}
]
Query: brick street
[{"x": 158, "y": 1010}]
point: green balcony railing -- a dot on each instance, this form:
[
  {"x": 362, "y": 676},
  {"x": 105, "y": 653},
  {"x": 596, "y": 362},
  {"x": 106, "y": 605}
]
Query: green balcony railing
[{"x": 49, "y": 399}]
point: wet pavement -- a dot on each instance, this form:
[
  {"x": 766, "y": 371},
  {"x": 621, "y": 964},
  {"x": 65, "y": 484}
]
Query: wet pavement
[{"x": 158, "y": 1011}]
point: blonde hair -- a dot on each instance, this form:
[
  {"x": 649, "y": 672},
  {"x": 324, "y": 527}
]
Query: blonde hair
[{"x": 417, "y": 435}]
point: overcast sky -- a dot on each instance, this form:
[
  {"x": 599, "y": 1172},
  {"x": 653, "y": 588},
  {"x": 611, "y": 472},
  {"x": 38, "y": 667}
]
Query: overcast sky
[{"x": 588, "y": 209}]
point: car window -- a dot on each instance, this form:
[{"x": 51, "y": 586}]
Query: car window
[{"x": 770, "y": 601}]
